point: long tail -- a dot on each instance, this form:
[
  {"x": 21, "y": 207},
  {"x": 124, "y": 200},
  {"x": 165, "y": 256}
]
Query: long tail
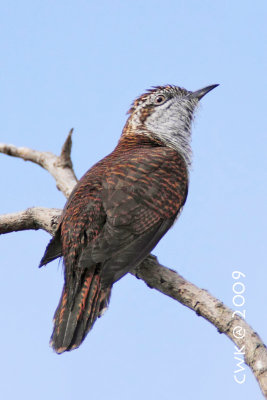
[{"x": 74, "y": 321}]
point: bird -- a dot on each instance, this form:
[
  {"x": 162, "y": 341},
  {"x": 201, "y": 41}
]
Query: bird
[{"x": 121, "y": 208}]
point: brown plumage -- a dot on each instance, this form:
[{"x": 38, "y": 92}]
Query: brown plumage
[{"x": 118, "y": 212}]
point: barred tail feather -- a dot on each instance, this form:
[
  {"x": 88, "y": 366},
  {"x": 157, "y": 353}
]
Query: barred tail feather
[{"x": 73, "y": 321}]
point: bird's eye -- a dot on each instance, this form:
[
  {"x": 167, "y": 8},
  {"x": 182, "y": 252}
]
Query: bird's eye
[{"x": 160, "y": 99}]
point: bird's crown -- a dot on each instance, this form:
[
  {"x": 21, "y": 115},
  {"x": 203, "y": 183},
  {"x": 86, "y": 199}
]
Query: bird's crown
[{"x": 150, "y": 97}]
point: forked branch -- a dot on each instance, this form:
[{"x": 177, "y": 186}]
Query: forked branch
[{"x": 60, "y": 167}]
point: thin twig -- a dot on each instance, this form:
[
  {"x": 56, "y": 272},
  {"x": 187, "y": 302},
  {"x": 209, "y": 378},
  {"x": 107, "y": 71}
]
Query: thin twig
[{"x": 64, "y": 160}]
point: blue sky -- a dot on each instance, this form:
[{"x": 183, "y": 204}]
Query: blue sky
[{"x": 80, "y": 64}]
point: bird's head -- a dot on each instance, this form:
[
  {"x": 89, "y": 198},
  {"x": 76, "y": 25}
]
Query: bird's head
[{"x": 165, "y": 113}]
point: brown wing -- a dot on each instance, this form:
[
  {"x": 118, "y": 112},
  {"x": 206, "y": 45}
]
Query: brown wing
[
  {"x": 141, "y": 195},
  {"x": 123, "y": 198},
  {"x": 120, "y": 209}
]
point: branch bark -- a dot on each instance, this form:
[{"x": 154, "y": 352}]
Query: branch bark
[
  {"x": 150, "y": 271},
  {"x": 32, "y": 218}
]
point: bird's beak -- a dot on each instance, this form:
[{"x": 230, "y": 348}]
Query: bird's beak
[{"x": 202, "y": 92}]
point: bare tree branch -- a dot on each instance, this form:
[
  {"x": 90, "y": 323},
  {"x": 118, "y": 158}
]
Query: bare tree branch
[
  {"x": 60, "y": 167},
  {"x": 150, "y": 271},
  {"x": 32, "y": 218}
]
